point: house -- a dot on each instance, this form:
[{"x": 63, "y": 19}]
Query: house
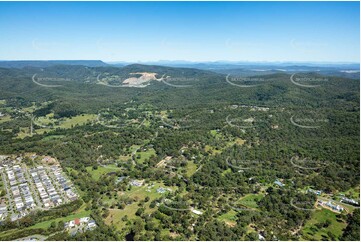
[
  {"x": 161, "y": 190},
  {"x": 136, "y": 183},
  {"x": 14, "y": 217},
  {"x": 349, "y": 201},
  {"x": 334, "y": 207},
  {"x": 3, "y": 208},
  {"x": 71, "y": 195},
  {"x": 317, "y": 192},
  {"x": 71, "y": 224},
  {"x": 92, "y": 224},
  {"x": 196, "y": 211},
  {"x": 3, "y": 212},
  {"x": 261, "y": 238},
  {"x": 66, "y": 225},
  {"x": 84, "y": 220},
  {"x": 76, "y": 221},
  {"x": 277, "y": 182},
  {"x": 120, "y": 179}
]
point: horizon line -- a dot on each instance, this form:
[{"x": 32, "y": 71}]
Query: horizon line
[{"x": 192, "y": 62}]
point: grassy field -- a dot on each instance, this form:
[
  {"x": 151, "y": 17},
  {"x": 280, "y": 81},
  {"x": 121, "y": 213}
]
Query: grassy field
[
  {"x": 65, "y": 123},
  {"x": 5, "y": 118},
  {"x": 216, "y": 134},
  {"x": 225, "y": 172},
  {"x": 96, "y": 174},
  {"x": 46, "y": 224},
  {"x": 353, "y": 193},
  {"x": 138, "y": 193},
  {"x": 30, "y": 109},
  {"x": 335, "y": 228},
  {"x": 219, "y": 136},
  {"x": 250, "y": 200},
  {"x": 229, "y": 218},
  {"x": 144, "y": 155},
  {"x": 52, "y": 137},
  {"x": 191, "y": 168},
  {"x": 24, "y": 132},
  {"x": 212, "y": 149}
]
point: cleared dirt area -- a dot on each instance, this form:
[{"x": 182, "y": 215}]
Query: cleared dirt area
[
  {"x": 145, "y": 77},
  {"x": 163, "y": 162}
]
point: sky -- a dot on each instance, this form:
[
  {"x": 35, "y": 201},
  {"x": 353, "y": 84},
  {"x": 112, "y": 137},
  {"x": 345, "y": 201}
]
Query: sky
[{"x": 192, "y": 31}]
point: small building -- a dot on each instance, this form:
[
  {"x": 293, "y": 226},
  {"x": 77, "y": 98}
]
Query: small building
[
  {"x": 76, "y": 221},
  {"x": 3, "y": 212},
  {"x": 334, "y": 207},
  {"x": 261, "y": 238},
  {"x": 84, "y": 220},
  {"x": 277, "y": 182},
  {"x": 92, "y": 224},
  {"x": 120, "y": 179},
  {"x": 136, "y": 183},
  {"x": 161, "y": 190},
  {"x": 317, "y": 192},
  {"x": 349, "y": 201},
  {"x": 71, "y": 224},
  {"x": 196, "y": 211}
]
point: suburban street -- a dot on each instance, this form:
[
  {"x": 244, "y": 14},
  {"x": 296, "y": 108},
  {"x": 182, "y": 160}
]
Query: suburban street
[{"x": 8, "y": 192}]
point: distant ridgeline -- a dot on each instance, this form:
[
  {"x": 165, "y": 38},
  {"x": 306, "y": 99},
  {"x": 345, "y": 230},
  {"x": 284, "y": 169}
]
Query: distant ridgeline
[
  {"x": 166, "y": 86},
  {"x": 42, "y": 64}
]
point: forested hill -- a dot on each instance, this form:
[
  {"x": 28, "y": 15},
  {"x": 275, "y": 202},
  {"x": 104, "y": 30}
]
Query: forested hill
[{"x": 186, "y": 86}]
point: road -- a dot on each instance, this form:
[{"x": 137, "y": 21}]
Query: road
[
  {"x": 38, "y": 237},
  {"x": 8, "y": 193},
  {"x": 57, "y": 186},
  {"x": 34, "y": 191}
]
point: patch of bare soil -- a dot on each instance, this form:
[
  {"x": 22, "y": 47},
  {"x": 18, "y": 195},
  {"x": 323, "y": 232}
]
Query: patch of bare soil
[{"x": 144, "y": 78}]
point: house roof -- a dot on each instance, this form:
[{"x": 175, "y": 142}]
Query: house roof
[{"x": 77, "y": 221}]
